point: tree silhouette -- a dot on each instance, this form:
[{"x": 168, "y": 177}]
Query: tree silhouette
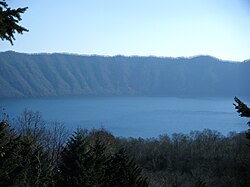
[
  {"x": 125, "y": 172},
  {"x": 74, "y": 161},
  {"x": 244, "y": 111},
  {"x": 22, "y": 161},
  {"x": 86, "y": 162},
  {"x": 9, "y": 165},
  {"x": 9, "y": 19}
]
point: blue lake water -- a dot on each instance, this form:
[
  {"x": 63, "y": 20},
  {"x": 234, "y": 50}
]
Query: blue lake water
[{"x": 135, "y": 116}]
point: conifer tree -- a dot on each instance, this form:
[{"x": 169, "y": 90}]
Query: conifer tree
[
  {"x": 9, "y": 19},
  {"x": 75, "y": 159},
  {"x": 22, "y": 161},
  {"x": 244, "y": 111},
  {"x": 9, "y": 162},
  {"x": 89, "y": 163},
  {"x": 99, "y": 163},
  {"x": 125, "y": 172}
]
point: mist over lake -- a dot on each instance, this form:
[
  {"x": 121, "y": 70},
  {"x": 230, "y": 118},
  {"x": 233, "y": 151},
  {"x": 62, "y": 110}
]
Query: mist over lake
[{"x": 135, "y": 116}]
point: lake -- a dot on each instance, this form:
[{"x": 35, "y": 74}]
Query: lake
[{"x": 135, "y": 116}]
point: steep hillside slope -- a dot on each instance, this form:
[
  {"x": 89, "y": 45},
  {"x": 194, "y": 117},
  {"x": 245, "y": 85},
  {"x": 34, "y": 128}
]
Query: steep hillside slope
[{"x": 63, "y": 74}]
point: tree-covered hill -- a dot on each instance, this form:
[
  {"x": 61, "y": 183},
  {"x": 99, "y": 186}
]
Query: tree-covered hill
[{"x": 64, "y": 74}]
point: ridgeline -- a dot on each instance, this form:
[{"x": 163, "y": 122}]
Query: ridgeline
[{"x": 35, "y": 75}]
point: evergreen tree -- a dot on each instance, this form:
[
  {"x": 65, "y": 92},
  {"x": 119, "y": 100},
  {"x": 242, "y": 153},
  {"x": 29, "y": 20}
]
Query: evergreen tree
[
  {"x": 89, "y": 163},
  {"x": 124, "y": 171},
  {"x": 244, "y": 111},
  {"x": 9, "y": 162},
  {"x": 9, "y": 19},
  {"x": 22, "y": 161},
  {"x": 99, "y": 164},
  {"x": 75, "y": 159}
]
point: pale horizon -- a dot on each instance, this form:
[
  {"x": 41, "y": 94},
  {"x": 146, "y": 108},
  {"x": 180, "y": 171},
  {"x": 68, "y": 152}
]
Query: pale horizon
[{"x": 135, "y": 28}]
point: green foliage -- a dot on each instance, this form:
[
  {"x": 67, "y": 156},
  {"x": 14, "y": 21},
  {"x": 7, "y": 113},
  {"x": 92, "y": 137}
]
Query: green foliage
[{"x": 9, "y": 19}]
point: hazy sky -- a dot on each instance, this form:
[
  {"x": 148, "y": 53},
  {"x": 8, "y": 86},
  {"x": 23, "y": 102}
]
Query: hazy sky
[{"x": 220, "y": 28}]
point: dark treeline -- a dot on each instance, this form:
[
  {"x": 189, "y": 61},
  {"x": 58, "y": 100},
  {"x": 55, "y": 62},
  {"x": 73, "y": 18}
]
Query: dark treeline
[
  {"x": 34, "y": 152},
  {"x": 205, "y": 157}
]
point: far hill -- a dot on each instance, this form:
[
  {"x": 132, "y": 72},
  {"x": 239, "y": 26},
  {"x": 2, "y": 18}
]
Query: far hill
[{"x": 32, "y": 75}]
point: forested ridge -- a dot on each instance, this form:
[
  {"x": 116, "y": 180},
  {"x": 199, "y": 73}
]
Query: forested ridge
[
  {"x": 34, "y": 152},
  {"x": 31, "y": 75}
]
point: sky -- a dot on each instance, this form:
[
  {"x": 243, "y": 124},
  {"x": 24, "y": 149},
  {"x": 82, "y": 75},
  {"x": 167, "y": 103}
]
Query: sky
[{"x": 166, "y": 28}]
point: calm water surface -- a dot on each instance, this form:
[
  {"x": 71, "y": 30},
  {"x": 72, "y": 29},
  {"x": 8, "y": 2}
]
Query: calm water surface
[{"x": 135, "y": 116}]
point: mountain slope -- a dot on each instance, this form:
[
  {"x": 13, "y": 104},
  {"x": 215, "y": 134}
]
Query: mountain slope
[{"x": 63, "y": 74}]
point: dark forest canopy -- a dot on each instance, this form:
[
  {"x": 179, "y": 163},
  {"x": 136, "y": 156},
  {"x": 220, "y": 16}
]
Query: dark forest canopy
[
  {"x": 25, "y": 75},
  {"x": 34, "y": 152}
]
